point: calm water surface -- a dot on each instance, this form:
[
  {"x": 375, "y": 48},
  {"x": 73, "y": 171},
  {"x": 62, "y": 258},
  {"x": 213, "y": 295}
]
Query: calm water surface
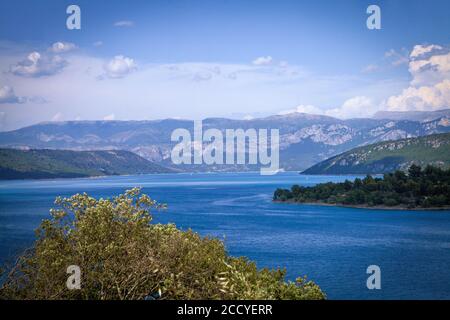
[{"x": 333, "y": 246}]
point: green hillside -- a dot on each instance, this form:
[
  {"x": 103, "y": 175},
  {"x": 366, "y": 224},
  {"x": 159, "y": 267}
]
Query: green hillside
[
  {"x": 42, "y": 164},
  {"x": 389, "y": 156}
]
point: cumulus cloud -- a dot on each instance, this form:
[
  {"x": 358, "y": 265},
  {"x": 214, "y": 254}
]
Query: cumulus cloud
[
  {"x": 109, "y": 117},
  {"x": 429, "y": 88},
  {"x": 37, "y": 65},
  {"x": 420, "y": 50},
  {"x": 262, "y": 61},
  {"x": 124, "y": 23},
  {"x": 356, "y": 107},
  {"x": 302, "y": 109},
  {"x": 119, "y": 67},
  {"x": 430, "y": 69},
  {"x": 422, "y": 98},
  {"x": 7, "y": 95},
  {"x": 60, "y": 47}
]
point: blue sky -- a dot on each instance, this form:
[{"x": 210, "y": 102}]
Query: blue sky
[{"x": 194, "y": 59}]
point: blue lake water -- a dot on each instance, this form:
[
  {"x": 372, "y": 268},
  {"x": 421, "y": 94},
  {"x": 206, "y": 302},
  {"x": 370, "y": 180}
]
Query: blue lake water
[{"x": 332, "y": 246}]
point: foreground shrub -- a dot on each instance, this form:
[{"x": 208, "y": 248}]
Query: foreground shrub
[{"x": 123, "y": 256}]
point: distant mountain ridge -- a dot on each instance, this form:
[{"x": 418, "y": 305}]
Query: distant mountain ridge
[
  {"x": 422, "y": 116},
  {"x": 45, "y": 164},
  {"x": 305, "y": 139},
  {"x": 388, "y": 156}
]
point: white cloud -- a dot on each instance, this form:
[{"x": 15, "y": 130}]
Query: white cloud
[
  {"x": 97, "y": 43},
  {"x": 119, "y": 67},
  {"x": 57, "y": 117},
  {"x": 356, "y": 107},
  {"x": 7, "y": 95},
  {"x": 109, "y": 117},
  {"x": 422, "y": 98},
  {"x": 37, "y": 65},
  {"x": 60, "y": 47},
  {"x": 303, "y": 109},
  {"x": 397, "y": 58},
  {"x": 262, "y": 61},
  {"x": 124, "y": 23},
  {"x": 430, "y": 70},
  {"x": 164, "y": 90},
  {"x": 420, "y": 50},
  {"x": 429, "y": 88}
]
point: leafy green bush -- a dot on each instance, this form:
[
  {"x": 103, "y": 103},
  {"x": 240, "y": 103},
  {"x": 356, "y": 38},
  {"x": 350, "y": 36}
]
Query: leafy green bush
[{"x": 124, "y": 256}]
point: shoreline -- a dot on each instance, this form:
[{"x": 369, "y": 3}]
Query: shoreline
[
  {"x": 178, "y": 172},
  {"x": 396, "y": 208},
  {"x": 82, "y": 177}
]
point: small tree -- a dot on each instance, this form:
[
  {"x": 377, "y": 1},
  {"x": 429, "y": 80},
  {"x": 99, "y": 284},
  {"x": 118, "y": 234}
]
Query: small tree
[
  {"x": 415, "y": 171},
  {"x": 122, "y": 255}
]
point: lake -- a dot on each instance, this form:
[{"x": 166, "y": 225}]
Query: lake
[{"x": 333, "y": 246}]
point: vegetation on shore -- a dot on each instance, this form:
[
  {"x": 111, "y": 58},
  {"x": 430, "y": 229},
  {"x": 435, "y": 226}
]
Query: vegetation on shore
[
  {"x": 122, "y": 255},
  {"x": 418, "y": 188},
  {"x": 48, "y": 164}
]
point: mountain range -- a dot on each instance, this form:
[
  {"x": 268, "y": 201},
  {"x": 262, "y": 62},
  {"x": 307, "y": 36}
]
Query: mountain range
[
  {"x": 422, "y": 116},
  {"x": 305, "y": 139},
  {"x": 388, "y": 156}
]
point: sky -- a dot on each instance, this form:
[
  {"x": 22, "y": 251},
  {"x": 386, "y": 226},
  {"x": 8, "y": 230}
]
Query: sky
[{"x": 192, "y": 59}]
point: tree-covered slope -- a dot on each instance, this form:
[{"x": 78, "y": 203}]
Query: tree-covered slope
[
  {"x": 389, "y": 156},
  {"x": 417, "y": 189},
  {"x": 41, "y": 164}
]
